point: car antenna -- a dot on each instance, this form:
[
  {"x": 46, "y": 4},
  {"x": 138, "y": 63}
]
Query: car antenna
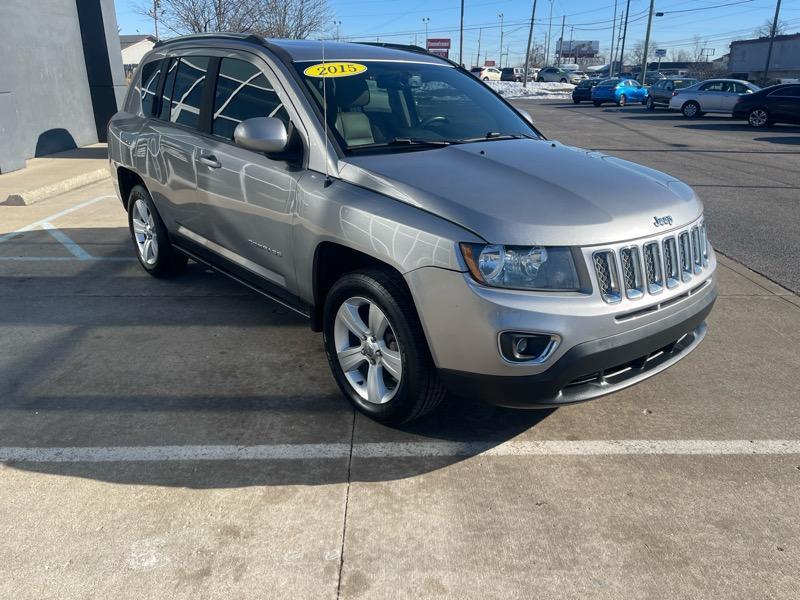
[{"x": 328, "y": 179}]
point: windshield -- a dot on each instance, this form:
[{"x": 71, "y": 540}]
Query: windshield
[{"x": 403, "y": 104}]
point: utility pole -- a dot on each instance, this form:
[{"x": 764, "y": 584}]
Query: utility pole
[
  {"x": 426, "y": 20},
  {"x": 613, "y": 33},
  {"x": 549, "y": 33},
  {"x": 643, "y": 72},
  {"x": 156, "y": 6},
  {"x": 624, "y": 33},
  {"x": 771, "y": 40},
  {"x": 571, "y": 49},
  {"x": 478, "y": 62},
  {"x": 461, "y": 37},
  {"x": 501, "y": 39},
  {"x": 528, "y": 51},
  {"x": 561, "y": 41}
]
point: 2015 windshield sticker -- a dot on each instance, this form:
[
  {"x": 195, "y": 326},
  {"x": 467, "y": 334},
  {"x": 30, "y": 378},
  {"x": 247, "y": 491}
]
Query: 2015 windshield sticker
[{"x": 335, "y": 69}]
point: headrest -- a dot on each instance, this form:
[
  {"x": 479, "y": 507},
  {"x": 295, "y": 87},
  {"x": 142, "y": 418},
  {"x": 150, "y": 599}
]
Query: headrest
[{"x": 351, "y": 91}]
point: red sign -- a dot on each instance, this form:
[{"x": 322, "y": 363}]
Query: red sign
[
  {"x": 489, "y": 63},
  {"x": 438, "y": 44},
  {"x": 442, "y": 53}
]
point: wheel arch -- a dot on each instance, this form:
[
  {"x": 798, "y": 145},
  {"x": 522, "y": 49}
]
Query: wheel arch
[{"x": 126, "y": 180}]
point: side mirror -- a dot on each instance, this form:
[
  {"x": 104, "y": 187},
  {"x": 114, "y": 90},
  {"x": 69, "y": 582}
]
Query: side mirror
[
  {"x": 262, "y": 134},
  {"x": 525, "y": 115}
]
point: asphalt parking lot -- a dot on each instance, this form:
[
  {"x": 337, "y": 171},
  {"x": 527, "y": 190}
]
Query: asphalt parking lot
[{"x": 184, "y": 439}]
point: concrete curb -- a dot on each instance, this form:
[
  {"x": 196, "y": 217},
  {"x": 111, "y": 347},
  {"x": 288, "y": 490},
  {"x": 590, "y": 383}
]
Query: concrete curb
[{"x": 26, "y": 198}]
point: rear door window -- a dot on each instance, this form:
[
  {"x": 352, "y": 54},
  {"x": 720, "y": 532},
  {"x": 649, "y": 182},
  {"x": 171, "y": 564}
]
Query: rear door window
[
  {"x": 243, "y": 92},
  {"x": 187, "y": 93},
  {"x": 714, "y": 86}
]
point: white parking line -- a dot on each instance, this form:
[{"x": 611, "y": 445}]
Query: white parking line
[
  {"x": 400, "y": 450},
  {"x": 67, "y": 242},
  {"x": 53, "y": 217}
]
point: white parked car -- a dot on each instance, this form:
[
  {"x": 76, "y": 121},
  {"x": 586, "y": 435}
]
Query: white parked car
[
  {"x": 486, "y": 73},
  {"x": 557, "y": 74},
  {"x": 710, "y": 96}
]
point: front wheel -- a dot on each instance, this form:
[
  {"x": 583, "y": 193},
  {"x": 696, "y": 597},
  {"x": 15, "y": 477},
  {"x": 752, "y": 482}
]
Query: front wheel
[
  {"x": 650, "y": 104},
  {"x": 376, "y": 347},
  {"x": 691, "y": 109},
  {"x": 758, "y": 117},
  {"x": 622, "y": 100},
  {"x": 150, "y": 238}
]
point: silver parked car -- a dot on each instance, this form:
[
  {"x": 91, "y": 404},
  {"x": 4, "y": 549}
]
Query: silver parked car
[
  {"x": 710, "y": 96},
  {"x": 419, "y": 221}
]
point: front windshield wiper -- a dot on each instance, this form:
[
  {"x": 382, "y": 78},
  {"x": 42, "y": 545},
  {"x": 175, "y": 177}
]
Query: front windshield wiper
[
  {"x": 496, "y": 135},
  {"x": 405, "y": 141}
]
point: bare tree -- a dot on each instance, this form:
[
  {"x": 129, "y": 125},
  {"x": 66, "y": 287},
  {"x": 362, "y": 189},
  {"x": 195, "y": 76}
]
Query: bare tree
[
  {"x": 678, "y": 55},
  {"x": 765, "y": 29},
  {"x": 696, "y": 53},
  {"x": 636, "y": 55},
  {"x": 270, "y": 18},
  {"x": 536, "y": 57}
]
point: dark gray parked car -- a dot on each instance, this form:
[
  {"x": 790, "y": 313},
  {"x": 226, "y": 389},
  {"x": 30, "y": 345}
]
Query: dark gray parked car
[
  {"x": 419, "y": 221},
  {"x": 661, "y": 91}
]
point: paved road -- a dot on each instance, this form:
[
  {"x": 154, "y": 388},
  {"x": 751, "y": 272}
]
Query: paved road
[
  {"x": 749, "y": 180},
  {"x": 184, "y": 439}
]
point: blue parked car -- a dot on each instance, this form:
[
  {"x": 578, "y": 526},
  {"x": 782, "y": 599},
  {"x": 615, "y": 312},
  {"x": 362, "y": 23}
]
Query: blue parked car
[{"x": 619, "y": 91}]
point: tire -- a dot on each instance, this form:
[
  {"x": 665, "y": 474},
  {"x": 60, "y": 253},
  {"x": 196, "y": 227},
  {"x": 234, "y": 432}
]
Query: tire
[
  {"x": 622, "y": 100},
  {"x": 486, "y": 79},
  {"x": 576, "y": 101},
  {"x": 691, "y": 109},
  {"x": 758, "y": 118},
  {"x": 150, "y": 238},
  {"x": 563, "y": 80},
  {"x": 596, "y": 102},
  {"x": 540, "y": 80},
  {"x": 418, "y": 390},
  {"x": 650, "y": 104}
]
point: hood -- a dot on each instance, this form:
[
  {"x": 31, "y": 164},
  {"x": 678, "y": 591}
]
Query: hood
[{"x": 523, "y": 192}]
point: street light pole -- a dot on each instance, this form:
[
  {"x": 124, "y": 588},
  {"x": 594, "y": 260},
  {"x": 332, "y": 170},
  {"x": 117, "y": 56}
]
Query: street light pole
[
  {"x": 624, "y": 34},
  {"x": 461, "y": 37},
  {"x": 501, "y": 39},
  {"x": 478, "y": 61},
  {"x": 771, "y": 40},
  {"x": 561, "y": 41},
  {"x": 549, "y": 33},
  {"x": 425, "y": 20},
  {"x": 643, "y": 72},
  {"x": 528, "y": 51},
  {"x": 613, "y": 35}
]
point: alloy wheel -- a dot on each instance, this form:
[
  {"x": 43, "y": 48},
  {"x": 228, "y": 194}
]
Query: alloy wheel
[
  {"x": 758, "y": 118},
  {"x": 144, "y": 231},
  {"x": 367, "y": 350},
  {"x": 690, "y": 109}
]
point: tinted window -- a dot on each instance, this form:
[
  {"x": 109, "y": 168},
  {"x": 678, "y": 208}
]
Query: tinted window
[
  {"x": 243, "y": 92},
  {"x": 714, "y": 86},
  {"x": 508, "y": 71},
  {"x": 682, "y": 83},
  {"x": 149, "y": 86},
  {"x": 739, "y": 88},
  {"x": 169, "y": 84},
  {"x": 188, "y": 91},
  {"x": 792, "y": 90}
]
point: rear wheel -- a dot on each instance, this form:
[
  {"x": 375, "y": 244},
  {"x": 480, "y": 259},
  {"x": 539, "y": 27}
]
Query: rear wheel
[
  {"x": 376, "y": 347},
  {"x": 150, "y": 238},
  {"x": 486, "y": 79},
  {"x": 691, "y": 109},
  {"x": 758, "y": 117},
  {"x": 622, "y": 100},
  {"x": 596, "y": 102},
  {"x": 563, "y": 80},
  {"x": 576, "y": 101}
]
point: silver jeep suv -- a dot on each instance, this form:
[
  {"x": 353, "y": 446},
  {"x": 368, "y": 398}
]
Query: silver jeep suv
[{"x": 418, "y": 220}]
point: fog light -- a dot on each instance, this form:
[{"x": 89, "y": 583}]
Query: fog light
[{"x": 527, "y": 347}]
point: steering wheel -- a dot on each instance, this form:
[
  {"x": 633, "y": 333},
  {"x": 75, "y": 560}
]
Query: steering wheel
[{"x": 434, "y": 119}]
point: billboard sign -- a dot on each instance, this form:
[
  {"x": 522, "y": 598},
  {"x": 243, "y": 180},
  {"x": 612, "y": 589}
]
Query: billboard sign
[
  {"x": 578, "y": 48},
  {"x": 438, "y": 46},
  {"x": 489, "y": 63}
]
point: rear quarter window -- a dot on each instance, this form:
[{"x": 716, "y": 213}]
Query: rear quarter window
[{"x": 145, "y": 92}]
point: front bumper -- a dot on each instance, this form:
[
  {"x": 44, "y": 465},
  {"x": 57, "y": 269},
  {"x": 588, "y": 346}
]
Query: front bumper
[{"x": 594, "y": 368}]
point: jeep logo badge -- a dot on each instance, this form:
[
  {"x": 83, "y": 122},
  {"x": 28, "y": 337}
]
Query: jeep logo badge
[{"x": 659, "y": 221}]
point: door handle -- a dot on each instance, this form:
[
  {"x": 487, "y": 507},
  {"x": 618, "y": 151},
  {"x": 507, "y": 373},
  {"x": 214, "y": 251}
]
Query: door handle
[{"x": 209, "y": 160}]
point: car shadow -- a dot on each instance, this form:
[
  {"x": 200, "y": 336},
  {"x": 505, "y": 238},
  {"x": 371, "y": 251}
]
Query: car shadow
[
  {"x": 98, "y": 355},
  {"x": 787, "y": 140}
]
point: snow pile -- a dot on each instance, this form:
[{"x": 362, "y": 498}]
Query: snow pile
[{"x": 535, "y": 89}]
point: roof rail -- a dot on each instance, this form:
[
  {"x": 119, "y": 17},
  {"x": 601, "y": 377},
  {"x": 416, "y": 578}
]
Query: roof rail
[
  {"x": 242, "y": 37},
  {"x": 410, "y": 48}
]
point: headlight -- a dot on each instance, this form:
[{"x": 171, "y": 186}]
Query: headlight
[{"x": 522, "y": 267}]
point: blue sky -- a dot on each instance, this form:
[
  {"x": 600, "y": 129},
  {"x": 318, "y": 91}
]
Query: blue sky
[{"x": 716, "y": 21}]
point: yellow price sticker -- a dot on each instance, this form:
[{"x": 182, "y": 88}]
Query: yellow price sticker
[{"x": 335, "y": 69}]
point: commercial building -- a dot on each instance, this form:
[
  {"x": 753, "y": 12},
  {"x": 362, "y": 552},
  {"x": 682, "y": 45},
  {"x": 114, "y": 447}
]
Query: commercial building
[
  {"x": 748, "y": 57},
  {"x": 61, "y": 76}
]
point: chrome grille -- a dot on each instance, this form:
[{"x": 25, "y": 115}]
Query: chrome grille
[
  {"x": 631, "y": 272},
  {"x": 652, "y": 267},
  {"x": 635, "y": 270},
  {"x": 606, "y": 269}
]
